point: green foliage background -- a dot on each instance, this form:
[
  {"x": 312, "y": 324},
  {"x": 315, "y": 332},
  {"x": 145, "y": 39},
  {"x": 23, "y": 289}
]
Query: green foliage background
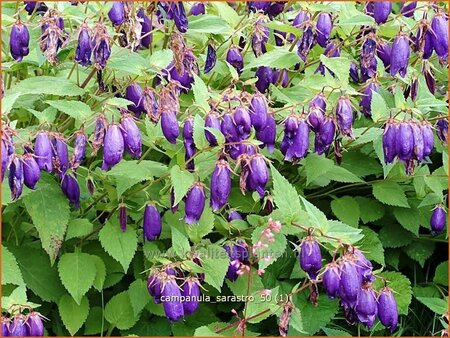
[{"x": 78, "y": 269}]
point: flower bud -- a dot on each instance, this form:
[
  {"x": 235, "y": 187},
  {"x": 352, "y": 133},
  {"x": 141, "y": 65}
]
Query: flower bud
[
  {"x": 232, "y": 215},
  {"x": 169, "y": 126},
  {"x": 179, "y": 16},
  {"x": 70, "y": 188},
  {"x": 264, "y": 75},
  {"x": 117, "y": 13},
  {"x": 113, "y": 146},
  {"x": 324, "y": 137},
  {"x": 424, "y": 39},
  {"x": 31, "y": 171},
  {"x": 301, "y": 17},
  {"x": 135, "y": 94},
  {"x": 146, "y": 28},
  {"x": 316, "y": 117},
  {"x": 442, "y": 129},
  {"x": 79, "y": 148},
  {"x": 381, "y": 11},
  {"x": 319, "y": 102},
  {"x": 173, "y": 307},
  {"x": 429, "y": 79},
  {"x": 438, "y": 219},
  {"x": 212, "y": 121},
  {"x": 389, "y": 141},
  {"x": 439, "y": 25},
  {"x": 418, "y": 141},
  {"x": 234, "y": 58},
  {"x": 268, "y": 133},
  {"x": 344, "y": 114},
  {"x": 354, "y": 73},
  {"x": 210, "y": 59},
  {"x": 350, "y": 284},
  {"x": 19, "y": 326},
  {"x": 35, "y": 324},
  {"x": 331, "y": 279},
  {"x": 154, "y": 287},
  {"x": 404, "y": 141},
  {"x": 384, "y": 53},
  {"x": 387, "y": 309},
  {"x": 152, "y": 224},
  {"x": 16, "y": 178},
  {"x": 400, "y": 55},
  {"x": 310, "y": 257},
  {"x": 99, "y": 132},
  {"x": 366, "y": 305},
  {"x": 19, "y": 41},
  {"x": 195, "y": 203},
  {"x": 131, "y": 136},
  {"x": 220, "y": 185},
  {"x": 60, "y": 154},
  {"x": 366, "y": 100},
  {"x": 259, "y": 175},
  {"x": 363, "y": 266},
  {"x": 198, "y": 9},
  {"x": 90, "y": 185},
  {"x": 43, "y": 151},
  {"x": 323, "y": 28},
  {"x": 31, "y": 5},
  {"x": 191, "y": 290},
  {"x": 243, "y": 122},
  {"x": 84, "y": 49},
  {"x": 258, "y": 111},
  {"x": 428, "y": 138}
]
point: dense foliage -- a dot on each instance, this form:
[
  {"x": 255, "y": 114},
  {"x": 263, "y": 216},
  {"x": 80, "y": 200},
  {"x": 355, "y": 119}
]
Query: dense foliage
[{"x": 286, "y": 163}]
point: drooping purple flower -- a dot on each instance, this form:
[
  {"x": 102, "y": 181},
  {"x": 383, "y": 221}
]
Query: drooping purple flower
[
  {"x": 260, "y": 38},
  {"x": 79, "y": 148},
  {"x": 90, "y": 185},
  {"x": 280, "y": 37},
  {"x": 310, "y": 257},
  {"x": 188, "y": 141},
  {"x": 366, "y": 100},
  {"x": 71, "y": 188},
  {"x": 117, "y": 13},
  {"x": 264, "y": 75},
  {"x": 259, "y": 175},
  {"x": 366, "y": 305},
  {"x": 344, "y": 114},
  {"x": 354, "y": 72},
  {"x": 387, "y": 309},
  {"x": 60, "y": 157},
  {"x": 154, "y": 287},
  {"x": 238, "y": 254},
  {"x": 301, "y": 17},
  {"x": 134, "y": 94},
  {"x": 198, "y": 8},
  {"x": 350, "y": 284},
  {"x": 31, "y": 5},
  {"x": 268, "y": 133},
  {"x": 381, "y": 11},
  {"x": 194, "y": 204},
  {"x": 113, "y": 146},
  {"x": 404, "y": 141},
  {"x": 438, "y": 219},
  {"x": 299, "y": 144},
  {"x": 275, "y": 8},
  {"x": 131, "y": 135},
  {"x": 414, "y": 89},
  {"x": 84, "y": 48},
  {"x": 16, "y": 178},
  {"x": 146, "y": 28},
  {"x": 429, "y": 79},
  {"x": 179, "y": 16},
  {"x": 35, "y": 324},
  {"x": 220, "y": 185},
  {"x": 19, "y": 41},
  {"x": 407, "y": 9},
  {"x": 169, "y": 126},
  {"x": 173, "y": 307},
  {"x": 384, "y": 53},
  {"x": 418, "y": 141},
  {"x": 258, "y": 111},
  {"x": 210, "y": 59},
  {"x": 280, "y": 76},
  {"x": 428, "y": 138},
  {"x": 19, "y": 326},
  {"x": 243, "y": 121},
  {"x": 101, "y": 48},
  {"x": 31, "y": 171},
  {"x": 400, "y": 55},
  {"x": 99, "y": 132},
  {"x": 152, "y": 224},
  {"x": 325, "y": 135},
  {"x": 331, "y": 279},
  {"x": 212, "y": 121},
  {"x": 255, "y": 6},
  {"x": 316, "y": 117},
  {"x": 306, "y": 42},
  {"x": 323, "y": 28},
  {"x": 424, "y": 41},
  {"x": 234, "y": 58},
  {"x": 123, "y": 217},
  {"x": 5, "y": 326},
  {"x": 367, "y": 60},
  {"x": 363, "y": 266},
  {"x": 439, "y": 25},
  {"x": 191, "y": 290},
  {"x": 232, "y": 215},
  {"x": 389, "y": 141}
]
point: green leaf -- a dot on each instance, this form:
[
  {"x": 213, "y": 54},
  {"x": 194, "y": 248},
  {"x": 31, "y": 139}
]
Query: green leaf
[
  {"x": 316, "y": 216},
  {"x": 199, "y": 133},
  {"x": 53, "y": 86},
  {"x": 401, "y": 286},
  {"x": 126, "y": 61},
  {"x": 239, "y": 286},
  {"x": 201, "y": 94},
  {"x": 77, "y": 272},
  {"x": 370, "y": 209},
  {"x": 205, "y": 225},
  {"x": 346, "y": 233},
  {"x": 338, "y": 65},
  {"x": 346, "y": 210},
  {"x": 379, "y": 107},
  {"x": 118, "y": 102},
  {"x": 138, "y": 296},
  {"x": 394, "y": 236},
  {"x": 10, "y": 273},
  {"x": 390, "y": 193},
  {"x": 128, "y": 173},
  {"x": 94, "y": 320},
  {"x": 371, "y": 246},
  {"x": 209, "y": 24},
  {"x": 49, "y": 210},
  {"x": 274, "y": 250},
  {"x": 420, "y": 251},
  {"x": 119, "y": 311},
  {"x": 39, "y": 276},
  {"x": 441, "y": 274},
  {"x": 340, "y": 174},
  {"x": 80, "y": 111},
  {"x": 18, "y": 296},
  {"x": 48, "y": 115},
  {"x": 315, "y": 166},
  {"x": 409, "y": 219},
  {"x": 8, "y": 101},
  {"x": 279, "y": 57},
  {"x": 437, "y": 305},
  {"x": 215, "y": 262},
  {"x": 181, "y": 181},
  {"x": 335, "y": 333},
  {"x": 119, "y": 245},
  {"x": 180, "y": 242},
  {"x": 78, "y": 227},
  {"x": 261, "y": 303},
  {"x": 100, "y": 274},
  {"x": 72, "y": 314},
  {"x": 160, "y": 59}
]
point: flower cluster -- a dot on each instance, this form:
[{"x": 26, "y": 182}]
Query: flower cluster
[{"x": 21, "y": 324}]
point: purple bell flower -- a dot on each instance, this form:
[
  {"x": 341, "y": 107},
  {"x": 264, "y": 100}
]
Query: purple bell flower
[
  {"x": 387, "y": 309},
  {"x": 284, "y": 77},
  {"x": 191, "y": 290},
  {"x": 366, "y": 305},
  {"x": 150, "y": 104},
  {"x": 234, "y": 58},
  {"x": 259, "y": 175},
  {"x": 117, "y": 13},
  {"x": 79, "y": 148},
  {"x": 260, "y": 38},
  {"x": 5, "y": 326},
  {"x": 324, "y": 137},
  {"x": 154, "y": 287},
  {"x": 220, "y": 184},
  {"x": 35, "y": 324},
  {"x": 43, "y": 151},
  {"x": 135, "y": 94},
  {"x": 210, "y": 59},
  {"x": 404, "y": 141},
  {"x": 384, "y": 53},
  {"x": 350, "y": 284},
  {"x": 344, "y": 114},
  {"x": 60, "y": 154},
  {"x": 131, "y": 135},
  {"x": 194, "y": 204},
  {"x": 407, "y": 9},
  {"x": 189, "y": 145},
  {"x": 319, "y": 102},
  {"x": 439, "y": 25},
  {"x": 31, "y": 5},
  {"x": 19, "y": 41},
  {"x": 389, "y": 141},
  {"x": 113, "y": 146},
  {"x": 123, "y": 217},
  {"x": 310, "y": 257},
  {"x": 354, "y": 72},
  {"x": 101, "y": 48},
  {"x": 169, "y": 126},
  {"x": 331, "y": 279},
  {"x": 424, "y": 41},
  {"x": 316, "y": 118},
  {"x": 146, "y": 28},
  {"x": 268, "y": 133},
  {"x": 306, "y": 42},
  {"x": 323, "y": 29},
  {"x": 366, "y": 99},
  {"x": 418, "y": 141},
  {"x": 381, "y": 11},
  {"x": 428, "y": 138},
  {"x": 198, "y": 9},
  {"x": 99, "y": 132},
  {"x": 31, "y": 171},
  {"x": 152, "y": 224},
  {"x": 232, "y": 215},
  {"x": 70, "y": 188},
  {"x": 173, "y": 307},
  {"x": 16, "y": 178},
  {"x": 84, "y": 48},
  {"x": 264, "y": 75},
  {"x": 258, "y": 111},
  {"x": 19, "y": 327},
  {"x": 438, "y": 219},
  {"x": 364, "y": 266},
  {"x": 400, "y": 55},
  {"x": 179, "y": 16},
  {"x": 212, "y": 121},
  {"x": 243, "y": 122}
]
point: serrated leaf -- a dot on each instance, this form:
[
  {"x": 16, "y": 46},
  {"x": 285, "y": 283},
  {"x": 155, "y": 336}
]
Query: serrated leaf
[
  {"x": 344, "y": 232},
  {"x": 346, "y": 210},
  {"x": 93, "y": 324},
  {"x": 10, "y": 269},
  {"x": 77, "y": 272},
  {"x": 379, "y": 107},
  {"x": 205, "y": 225},
  {"x": 129, "y": 173},
  {"x": 437, "y": 305},
  {"x": 420, "y": 251},
  {"x": 18, "y": 296},
  {"x": 338, "y": 65},
  {"x": 370, "y": 209},
  {"x": 72, "y": 314},
  {"x": 390, "y": 193},
  {"x": 394, "y": 236},
  {"x": 409, "y": 219},
  {"x": 78, "y": 227},
  {"x": 279, "y": 57},
  {"x": 53, "y": 86},
  {"x": 160, "y": 59},
  {"x": 401, "y": 286},
  {"x": 340, "y": 174},
  {"x": 118, "y": 102},
  {"x": 8, "y": 101},
  {"x": 316, "y": 216},
  {"x": 138, "y": 295},
  {"x": 199, "y": 133},
  {"x": 201, "y": 94},
  {"x": 49, "y": 210},
  {"x": 180, "y": 242},
  {"x": 441, "y": 274},
  {"x": 119, "y": 245},
  {"x": 371, "y": 246},
  {"x": 209, "y": 24},
  {"x": 315, "y": 166},
  {"x": 119, "y": 311},
  {"x": 80, "y": 111},
  {"x": 215, "y": 262},
  {"x": 181, "y": 182},
  {"x": 261, "y": 303},
  {"x": 100, "y": 272},
  {"x": 336, "y": 333}
]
